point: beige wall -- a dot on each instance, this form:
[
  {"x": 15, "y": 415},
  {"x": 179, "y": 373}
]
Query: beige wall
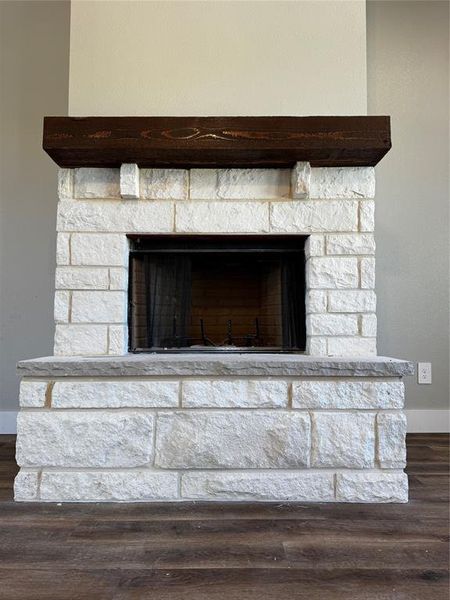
[
  {"x": 218, "y": 58},
  {"x": 408, "y": 78},
  {"x": 34, "y": 60}
]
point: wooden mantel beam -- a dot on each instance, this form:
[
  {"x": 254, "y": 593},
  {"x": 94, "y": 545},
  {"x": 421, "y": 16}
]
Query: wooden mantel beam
[{"x": 206, "y": 142}]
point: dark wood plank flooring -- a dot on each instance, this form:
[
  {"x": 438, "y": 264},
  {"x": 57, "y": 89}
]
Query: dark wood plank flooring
[{"x": 240, "y": 551}]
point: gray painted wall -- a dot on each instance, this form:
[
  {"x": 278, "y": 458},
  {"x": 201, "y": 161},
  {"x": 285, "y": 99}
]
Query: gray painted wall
[
  {"x": 408, "y": 78},
  {"x": 34, "y": 72}
]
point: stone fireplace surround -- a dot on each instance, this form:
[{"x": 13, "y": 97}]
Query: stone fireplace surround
[{"x": 99, "y": 424}]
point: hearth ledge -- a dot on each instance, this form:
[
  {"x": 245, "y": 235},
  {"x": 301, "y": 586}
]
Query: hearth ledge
[{"x": 262, "y": 365}]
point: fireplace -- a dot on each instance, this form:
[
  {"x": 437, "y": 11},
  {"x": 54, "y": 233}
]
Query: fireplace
[
  {"x": 215, "y": 317},
  {"x": 216, "y": 294}
]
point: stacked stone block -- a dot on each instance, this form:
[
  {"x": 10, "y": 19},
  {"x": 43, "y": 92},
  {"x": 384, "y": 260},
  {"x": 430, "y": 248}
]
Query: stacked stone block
[
  {"x": 99, "y": 207},
  {"x": 317, "y": 439}
]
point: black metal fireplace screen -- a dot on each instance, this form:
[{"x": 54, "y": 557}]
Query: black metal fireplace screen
[{"x": 217, "y": 293}]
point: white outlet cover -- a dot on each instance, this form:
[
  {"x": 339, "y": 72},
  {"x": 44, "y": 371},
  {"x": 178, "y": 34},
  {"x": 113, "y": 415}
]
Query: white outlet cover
[{"x": 424, "y": 373}]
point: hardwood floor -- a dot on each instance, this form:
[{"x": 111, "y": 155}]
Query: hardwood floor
[{"x": 246, "y": 551}]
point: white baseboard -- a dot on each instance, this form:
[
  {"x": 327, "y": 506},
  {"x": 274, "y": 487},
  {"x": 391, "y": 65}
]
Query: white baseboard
[
  {"x": 8, "y": 419},
  {"x": 419, "y": 421}
]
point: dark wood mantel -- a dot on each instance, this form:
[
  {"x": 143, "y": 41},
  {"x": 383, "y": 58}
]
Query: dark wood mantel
[{"x": 185, "y": 142}]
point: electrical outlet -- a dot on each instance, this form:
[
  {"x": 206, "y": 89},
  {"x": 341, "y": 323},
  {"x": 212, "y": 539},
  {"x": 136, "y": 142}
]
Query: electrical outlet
[{"x": 424, "y": 372}]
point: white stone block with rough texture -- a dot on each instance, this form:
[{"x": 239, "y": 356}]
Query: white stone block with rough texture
[
  {"x": 316, "y": 346},
  {"x": 352, "y": 346},
  {"x": 203, "y": 184},
  {"x": 300, "y": 180},
  {"x": 342, "y": 182},
  {"x": 129, "y": 180},
  {"x": 347, "y": 394},
  {"x": 26, "y": 486},
  {"x": 232, "y": 439},
  {"x": 343, "y": 440},
  {"x": 65, "y": 184},
  {"x": 118, "y": 278},
  {"x": 84, "y": 439},
  {"x": 258, "y": 486},
  {"x": 108, "y": 486},
  {"x": 316, "y": 301},
  {"x": 99, "y": 307},
  {"x": 80, "y": 340},
  {"x": 164, "y": 184},
  {"x": 352, "y": 301},
  {"x": 369, "y": 325},
  {"x": 117, "y": 339},
  {"x": 63, "y": 249},
  {"x": 379, "y": 486},
  {"x": 234, "y": 393},
  {"x": 115, "y": 394},
  {"x": 96, "y": 183},
  {"x": 132, "y": 216},
  {"x": 313, "y": 216},
  {"x": 81, "y": 278},
  {"x": 367, "y": 266},
  {"x": 350, "y": 243},
  {"x": 222, "y": 217},
  {"x": 332, "y": 272},
  {"x": 99, "y": 249},
  {"x": 239, "y": 184},
  {"x": 61, "y": 306},
  {"x": 367, "y": 215},
  {"x": 315, "y": 245},
  {"x": 391, "y": 428},
  {"x": 32, "y": 393},
  {"x": 331, "y": 324}
]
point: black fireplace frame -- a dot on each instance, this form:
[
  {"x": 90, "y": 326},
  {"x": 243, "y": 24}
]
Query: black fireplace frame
[{"x": 141, "y": 244}]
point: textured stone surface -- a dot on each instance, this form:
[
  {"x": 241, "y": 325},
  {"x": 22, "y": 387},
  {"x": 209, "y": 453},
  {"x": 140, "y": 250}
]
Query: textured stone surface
[
  {"x": 118, "y": 339},
  {"x": 132, "y": 216},
  {"x": 347, "y": 394},
  {"x": 332, "y": 273},
  {"x": 351, "y": 301},
  {"x": 350, "y": 243},
  {"x": 342, "y": 182},
  {"x": 315, "y": 301},
  {"x": 259, "y": 485},
  {"x": 115, "y": 394},
  {"x": 236, "y": 393},
  {"x": 343, "y": 440},
  {"x": 65, "y": 184},
  {"x": 99, "y": 307},
  {"x": 84, "y": 439},
  {"x": 61, "y": 306},
  {"x": 318, "y": 324},
  {"x": 369, "y": 325},
  {"x": 310, "y": 216},
  {"x": 26, "y": 486},
  {"x": 129, "y": 180},
  {"x": 367, "y": 266},
  {"x": 99, "y": 249},
  {"x": 314, "y": 245},
  {"x": 317, "y": 346},
  {"x": 96, "y": 183},
  {"x": 300, "y": 180},
  {"x": 237, "y": 439},
  {"x": 222, "y": 217},
  {"x": 352, "y": 346},
  {"x": 79, "y": 340},
  {"x": 63, "y": 249},
  {"x": 118, "y": 278},
  {"x": 367, "y": 215},
  {"x": 380, "y": 486},
  {"x": 108, "y": 486},
  {"x": 261, "y": 365},
  {"x": 391, "y": 437},
  {"x": 81, "y": 278},
  {"x": 239, "y": 184},
  {"x": 164, "y": 184},
  {"x": 32, "y": 393}
]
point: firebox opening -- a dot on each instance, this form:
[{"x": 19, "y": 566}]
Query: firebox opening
[{"x": 217, "y": 293}]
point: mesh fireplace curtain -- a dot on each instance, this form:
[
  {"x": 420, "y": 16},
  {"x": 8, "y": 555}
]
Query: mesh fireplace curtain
[{"x": 168, "y": 291}]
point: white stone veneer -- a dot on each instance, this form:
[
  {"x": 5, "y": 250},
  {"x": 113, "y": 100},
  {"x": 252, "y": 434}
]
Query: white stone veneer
[{"x": 99, "y": 207}]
